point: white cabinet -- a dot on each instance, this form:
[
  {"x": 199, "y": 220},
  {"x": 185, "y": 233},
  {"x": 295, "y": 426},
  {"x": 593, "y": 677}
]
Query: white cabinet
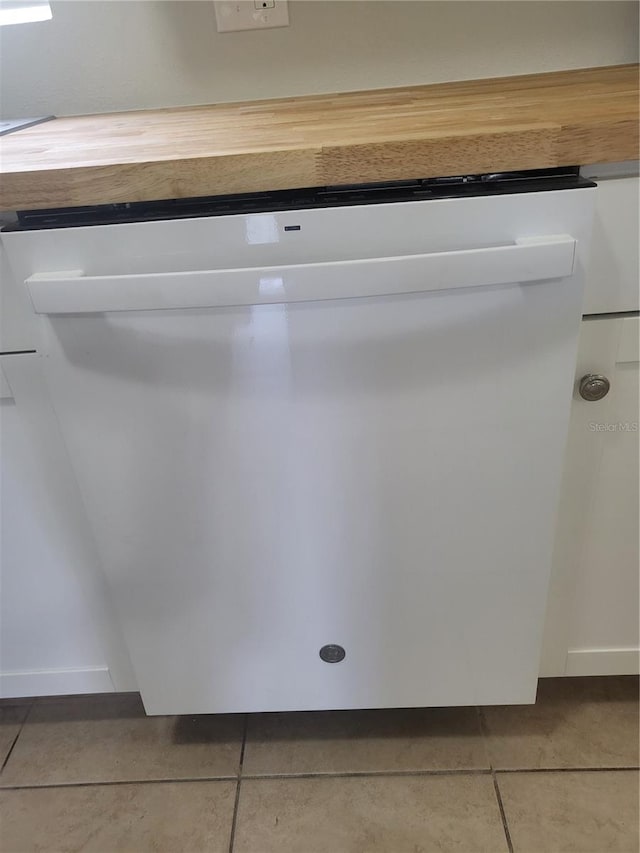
[
  {"x": 592, "y": 622},
  {"x": 592, "y": 616},
  {"x": 57, "y": 634},
  {"x": 612, "y": 276}
]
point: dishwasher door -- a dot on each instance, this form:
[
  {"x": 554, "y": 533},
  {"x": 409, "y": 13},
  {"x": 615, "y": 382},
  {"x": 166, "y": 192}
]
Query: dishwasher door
[{"x": 321, "y": 474}]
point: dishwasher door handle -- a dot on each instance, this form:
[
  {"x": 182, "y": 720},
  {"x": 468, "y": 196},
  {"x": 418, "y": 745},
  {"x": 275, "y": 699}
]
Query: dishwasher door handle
[{"x": 526, "y": 260}]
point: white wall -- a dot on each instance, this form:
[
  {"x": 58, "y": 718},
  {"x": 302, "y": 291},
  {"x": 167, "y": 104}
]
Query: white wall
[{"x": 103, "y": 56}]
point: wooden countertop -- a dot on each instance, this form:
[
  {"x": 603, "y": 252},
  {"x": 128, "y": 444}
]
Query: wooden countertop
[{"x": 534, "y": 121}]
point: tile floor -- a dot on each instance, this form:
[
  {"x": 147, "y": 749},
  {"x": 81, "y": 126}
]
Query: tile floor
[{"x": 94, "y": 774}]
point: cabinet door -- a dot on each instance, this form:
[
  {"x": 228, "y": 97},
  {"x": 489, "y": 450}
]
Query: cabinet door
[
  {"x": 592, "y": 622},
  {"x": 56, "y": 632}
]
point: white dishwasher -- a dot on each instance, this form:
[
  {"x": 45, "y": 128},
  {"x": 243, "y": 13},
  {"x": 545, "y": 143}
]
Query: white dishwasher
[{"x": 319, "y": 434}]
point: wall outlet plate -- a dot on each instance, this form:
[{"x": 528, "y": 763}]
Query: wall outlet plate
[{"x": 234, "y": 15}]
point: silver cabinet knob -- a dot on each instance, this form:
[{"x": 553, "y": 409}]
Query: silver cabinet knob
[{"x": 593, "y": 386}]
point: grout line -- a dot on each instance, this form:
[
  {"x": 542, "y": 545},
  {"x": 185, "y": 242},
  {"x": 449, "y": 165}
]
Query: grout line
[
  {"x": 13, "y": 743},
  {"x": 253, "y": 777},
  {"x": 363, "y": 774},
  {"x": 15, "y": 740},
  {"x": 244, "y": 743},
  {"x": 234, "y": 819},
  {"x": 632, "y": 768},
  {"x": 360, "y": 774},
  {"x": 112, "y": 782},
  {"x": 503, "y": 815}
]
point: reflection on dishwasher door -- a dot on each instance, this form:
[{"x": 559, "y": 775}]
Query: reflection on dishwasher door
[{"x": 321, "y": 466}]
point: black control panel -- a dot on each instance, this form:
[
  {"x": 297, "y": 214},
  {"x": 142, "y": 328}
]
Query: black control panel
[{"x": 455, "y": 186}]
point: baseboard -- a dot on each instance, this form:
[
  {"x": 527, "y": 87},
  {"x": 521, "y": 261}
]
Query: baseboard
[
  {"x": 603, "y": 662},
  {"x": 55, "y": 682}
]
